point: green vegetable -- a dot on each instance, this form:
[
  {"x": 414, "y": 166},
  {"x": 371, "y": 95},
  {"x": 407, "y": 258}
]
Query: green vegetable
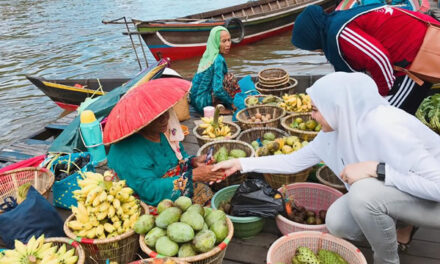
[{"x": 429, "y": 112}]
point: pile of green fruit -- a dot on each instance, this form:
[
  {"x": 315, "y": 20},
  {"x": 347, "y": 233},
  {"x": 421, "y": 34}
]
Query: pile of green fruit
[
  {"x": 182, "y": 229},
  {"x": 262, "y": 100},
  {"x": 304, "y": 255},
  {"x": 310, "y": 125},
  {"x": 276, "y": 146},
  {"x": 223, "y": 154}
]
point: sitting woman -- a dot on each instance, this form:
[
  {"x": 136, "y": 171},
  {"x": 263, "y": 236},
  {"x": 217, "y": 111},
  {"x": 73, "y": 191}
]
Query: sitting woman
[
  {"x": 388, "y": 159},
  {"x": 154, "y": 164},
  {"x": 212, "y": 83}
]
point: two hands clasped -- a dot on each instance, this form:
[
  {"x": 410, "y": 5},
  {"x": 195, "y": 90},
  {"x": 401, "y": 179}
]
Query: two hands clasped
[{"x": 203, "y": 172}]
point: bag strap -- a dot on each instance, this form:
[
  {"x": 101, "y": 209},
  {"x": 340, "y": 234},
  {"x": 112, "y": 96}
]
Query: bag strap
[{"x": 410, "y": 74}]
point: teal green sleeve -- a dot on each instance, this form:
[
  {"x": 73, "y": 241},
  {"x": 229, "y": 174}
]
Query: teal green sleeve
[{"x": 220, "y": 69}]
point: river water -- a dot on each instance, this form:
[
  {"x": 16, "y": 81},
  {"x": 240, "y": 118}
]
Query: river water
[{"x": 58, "y": 39}]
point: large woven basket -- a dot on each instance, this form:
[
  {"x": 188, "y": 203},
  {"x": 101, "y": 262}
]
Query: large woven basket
[
  {"x": 288, "y": 88},
  {"x": 314, "y": 197},
  {"x": 214, "y": 256},
  {"x": 303, "y": 135},
  {"x": 59, "y": 241},
  {"x": 260, "y": 98},
  {"x": 154, "y": 261},
  {"x": 41, "y": 179},
  {"x": 252, "y": 134},
  {"x": 276, "y": 112},
  {"x": 284, "y": 248},
  {"x": 237, "y": 177},
  {"x": 327, "y": 177},
  {"x": 202, "y": 140},
  {"x": 122, "y": 248},
  {"x": 273, "y": 76}
]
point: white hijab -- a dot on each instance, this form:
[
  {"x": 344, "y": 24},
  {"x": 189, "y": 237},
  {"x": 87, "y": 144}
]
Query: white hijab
[{"x": 366, "y": 127}]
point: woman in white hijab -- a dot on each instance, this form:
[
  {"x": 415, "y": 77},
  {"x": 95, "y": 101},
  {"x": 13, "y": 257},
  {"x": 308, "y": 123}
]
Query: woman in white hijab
[{"x": 389, "y": 161}]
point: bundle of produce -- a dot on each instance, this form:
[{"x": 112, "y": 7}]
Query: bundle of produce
[
  {"x": 276, "y": 146},
  {"x": 64, "y": 169},
  {"x": 105, "y": 208},
  {"x": 254, "y": 100},
  {"x": 183, "y": 229},
  {"x": 305, "y": 255},
  {"x": 214, "y": 129},
  {"x": 296, "y": 103},
  {"x": 429, "y": 112},
  {"x": 309, "y": 125},
  {"x": 37, "y": 251}
]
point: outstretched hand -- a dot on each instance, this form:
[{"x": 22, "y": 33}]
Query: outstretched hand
[{"x": 229, "y": 166}]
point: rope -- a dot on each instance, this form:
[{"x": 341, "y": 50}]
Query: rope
[{"x": 98, "y": 89}]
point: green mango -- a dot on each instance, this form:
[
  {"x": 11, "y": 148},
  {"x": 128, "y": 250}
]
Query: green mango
[
  {"x": 183, "y": 203},
  {"x": 164, "y": 204},
  {"x": 220, "y": 229},
  {"x": 193, "y": 219},
  {"x": 167, "y": 217},
  {"x": 237, "y": 153},
  {"x": 222, "y": 154},
  {"x": 180, "y": 232},
  {"x": 197, "y": 208},
  {"x": 186, "y": 250},
  {"x": 166, "y": 246},
  {"x": 214, "y": 216},
  {"x": 204, "y": 241},
  {"x": 144, "y": 224},
  {"x": 152, "y": 236},
  {"x": 269, "y": 136}
]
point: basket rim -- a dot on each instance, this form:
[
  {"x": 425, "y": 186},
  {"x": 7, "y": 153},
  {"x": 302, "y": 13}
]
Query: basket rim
[
  {"x": 272, "y": 69},
  {"x": 299, "y": 131},
  {"x": 42, "y": 169},
  {"x": 239, "y": 119},
  {"x": 291, "y": 80},
  {"x": 206, "y": 145},
  {"x": 197, "y": 135},
  {"x": 318, "y": 175},
  {"x": 314, "y": 234},
  {"x": 76, "y": 238},
  {"x": 78, "y": 248},
  {"x": 250, "y": 130},
  {"x": 221, "y": 246}
]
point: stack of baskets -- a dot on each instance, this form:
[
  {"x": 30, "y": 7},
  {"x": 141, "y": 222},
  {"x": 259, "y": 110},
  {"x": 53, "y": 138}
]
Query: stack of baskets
[
  {"x": 302, "y": 134},
  {"x": 237, "y": 177},
  {"x": 201, "y": 139},
  {"x": 276, "y": 113},
  {"x": 122, "y": 248},
  {"x": 275, "y": 81},
  {"x": 214, "y": 256},
  {"x": 327, "y": 177}
]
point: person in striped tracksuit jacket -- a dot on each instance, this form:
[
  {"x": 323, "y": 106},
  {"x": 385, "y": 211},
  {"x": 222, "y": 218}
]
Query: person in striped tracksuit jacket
[{"x": 371, "y": 38}]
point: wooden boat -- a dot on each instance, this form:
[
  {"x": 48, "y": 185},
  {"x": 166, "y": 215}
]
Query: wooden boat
[{"x": 186, "y": 37}]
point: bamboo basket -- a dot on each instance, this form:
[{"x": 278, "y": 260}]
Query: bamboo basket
[
  {"x": 214, "y": 256},
  {"x": 327, "y": 177},
  {"x": 260, "y": 98},
  {"x": 303, "y": 135},
  {"x": 202, "y": 140},
  {"x": 284, "y": 248},
  {"x": 122, "y": 248},
  {"x": 288, "y": 88},
  {"x": 155, "y": 261},
  {"x": 273, "y": 76},
  {"x": 237, "y": 177},
  {"x": 41, "y": 179},
  {"x": 276, "y": 112},
  {"x": 258, "y": 132},
  {"x": 59, "y": 241}
]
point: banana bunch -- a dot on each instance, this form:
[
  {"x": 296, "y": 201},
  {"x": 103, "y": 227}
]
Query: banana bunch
[
  {"x": 215, "y": 131},
  {"x": 105, "y": 209},
  {"x": 296, "y": 103},
  {"x": 36, "y": 251}
]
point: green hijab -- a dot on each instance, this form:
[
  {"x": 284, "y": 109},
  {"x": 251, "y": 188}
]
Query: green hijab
[{"x": 212, "y": 48}]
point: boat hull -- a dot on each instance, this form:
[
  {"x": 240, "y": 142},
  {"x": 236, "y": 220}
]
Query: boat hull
[{"x": 186, "y": 40}]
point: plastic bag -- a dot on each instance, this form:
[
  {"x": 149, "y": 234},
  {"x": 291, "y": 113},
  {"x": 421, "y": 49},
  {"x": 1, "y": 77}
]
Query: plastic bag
[
  {"x": 255, "y": 197},
  {"x": 33, "y": 217}
]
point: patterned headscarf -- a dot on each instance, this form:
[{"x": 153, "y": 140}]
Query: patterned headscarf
[{"x": 212, "y": 48}]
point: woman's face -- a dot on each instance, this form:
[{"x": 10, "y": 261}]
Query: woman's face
[
  {"x": 160, "y": 124},
  {"x": 225, "y": 42},
  {"x": 320, "y": 119}
]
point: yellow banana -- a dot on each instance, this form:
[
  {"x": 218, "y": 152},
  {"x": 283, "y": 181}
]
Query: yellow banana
[
  {"x": 116, "y": 204},
  {"x": 101, "y": 216},
  {"x": 102, "y": 197},
  {"x": 110, "y": 198},
  {"x": 111, "y": 212},
  {"x": 117, "y": 224},
  {"x": 75, "y": 225},
  {"x": 20, "y": 247},
  {"x": 82, "y": 214},
  {"x": 99, "y": 230},
  {"x": 104, "y": 207},
  {"x": 92, "y": 194},
  {"x": 91, "y": 233},
  {"x": 109, "y": 228}
]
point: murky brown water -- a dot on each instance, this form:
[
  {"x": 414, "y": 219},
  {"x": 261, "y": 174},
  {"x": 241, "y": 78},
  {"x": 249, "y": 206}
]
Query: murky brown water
[{"x": 58, "y": 39}]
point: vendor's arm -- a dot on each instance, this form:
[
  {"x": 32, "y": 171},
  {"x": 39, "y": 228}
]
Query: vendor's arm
[
  {"x": 365, "y": 53},
  {"x": 220, "y": 69}
]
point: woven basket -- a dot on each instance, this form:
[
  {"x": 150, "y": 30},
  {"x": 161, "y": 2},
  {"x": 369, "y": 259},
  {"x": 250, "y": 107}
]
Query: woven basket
[
  {"x": 59, "y": 241},
  {"x": 278, "y": 180},
  {"x": 214, "y": 256},
  {"x": 288, "y": 88},
  {"x": 260, "y": 98},
  {"x": 237, "y": 177},
  {"x": 152, "y": 261},
  {"x": 314, "y": 197},
  {"x": 303, "y": 135},
  {"x": 284, "y": 248},
  {"x": 327, "y": 177},
  {"x": 122, "y": 248},
  {"x": 273, "y": 76},
  {"x": 41, "y": 179},
  {"x": 252, "y": 134},
  {"x": 276, "y": 112},
  {"x": 202, "y": 140}
]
